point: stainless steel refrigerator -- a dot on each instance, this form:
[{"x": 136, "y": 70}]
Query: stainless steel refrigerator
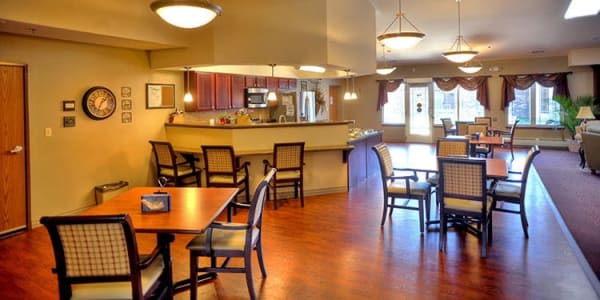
[{"x": 306, "y": 107}]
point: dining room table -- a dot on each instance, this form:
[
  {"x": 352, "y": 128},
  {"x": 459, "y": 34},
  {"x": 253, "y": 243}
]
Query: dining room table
[
  {"x": 490, "y": 140},
  {"x": 192, "y": 211}
]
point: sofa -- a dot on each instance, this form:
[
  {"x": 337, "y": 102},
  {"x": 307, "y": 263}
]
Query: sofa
[{"x": 590, "y": 137}]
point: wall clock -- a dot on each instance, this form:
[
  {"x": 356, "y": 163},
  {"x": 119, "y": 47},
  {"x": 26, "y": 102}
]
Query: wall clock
[{"x": 99, "y": 103}]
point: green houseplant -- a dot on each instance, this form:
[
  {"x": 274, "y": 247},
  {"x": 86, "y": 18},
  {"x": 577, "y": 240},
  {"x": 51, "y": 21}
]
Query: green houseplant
[{"x": 571, "y": 108}]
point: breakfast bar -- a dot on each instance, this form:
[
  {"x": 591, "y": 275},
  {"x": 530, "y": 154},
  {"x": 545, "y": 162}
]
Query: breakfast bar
[{"x": 326, "y": 147}]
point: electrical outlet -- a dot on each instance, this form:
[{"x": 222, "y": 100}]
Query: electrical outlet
[{"x": 48, "y": 131}]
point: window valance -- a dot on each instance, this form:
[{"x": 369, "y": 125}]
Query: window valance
[
  {"x": 558, "y": 81},
  {"x": 386, "y": 86},
  {"x": 478, "y": 83}
]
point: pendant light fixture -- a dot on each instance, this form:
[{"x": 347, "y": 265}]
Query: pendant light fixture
[
  {"x": 400, "y": 40},
  {"x": 353, "y": 95},
  {"x": 348, "y": 93},
  {"x": 272, "y": 96},
  {"x": 471, "y": 67},
  {"x": 186, "y": 13},
  {"x": 456, "y": 53},
  {"x": 188, "y": 96},
  {"x": 385, "y": 69}
]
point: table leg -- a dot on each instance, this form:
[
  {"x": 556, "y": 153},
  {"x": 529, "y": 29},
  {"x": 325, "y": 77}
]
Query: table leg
[{"x": 165, "y": 240}]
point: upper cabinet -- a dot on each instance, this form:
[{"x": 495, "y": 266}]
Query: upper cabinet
[{"x": 217, "y": 91}]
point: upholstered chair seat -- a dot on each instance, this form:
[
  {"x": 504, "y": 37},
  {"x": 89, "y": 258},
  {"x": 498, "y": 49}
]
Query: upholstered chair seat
[
  {"x": 466, "y": 205},
  {"x": 230, "y": 240},
  {"x": 227, "y": 179},
  {"x": 508, "y": 189},
  {"x": 419, "y": 188},
  {"x": 288, "y": 175}
]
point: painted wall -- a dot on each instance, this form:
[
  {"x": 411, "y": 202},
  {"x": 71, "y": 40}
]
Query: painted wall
[
  {"x": 366, "y": 116},
  {"x": 66, "y": 166}
]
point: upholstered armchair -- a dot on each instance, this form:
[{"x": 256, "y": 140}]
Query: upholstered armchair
[{"x": 591, "y": 145}]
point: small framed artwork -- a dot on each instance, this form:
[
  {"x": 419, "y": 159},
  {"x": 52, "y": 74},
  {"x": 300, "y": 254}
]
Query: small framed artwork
[
  {"x": 125, "y": 91},
  {"x": 160, "y": 95},
  {"x": 68, "y": 105},
  {"x": 126, "y": 104},
  {"x": 126, "y": 117},
  {"x": 69, "y": 121}
]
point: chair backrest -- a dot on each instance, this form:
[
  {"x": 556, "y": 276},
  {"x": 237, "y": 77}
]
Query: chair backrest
[
  {"x": 452, "y": 147},
  {"x": 461, "y": 127},
  {"x": 288, "y": 156},
  {"x": 484, "y": 120},
  {"x": 219, "y": 160},
  {"x": 462, "y": 178},
  {"x": 447, "y": 125},
  {"x": 513, "y": 129},
  {"x": 165, "y": 156},
  {"x": 531, "y": 154},
  {"x": 94, "y": 249},
  {"x": 482, "y": 129},
  {"x": 385, "y": 160},
  {"x": 257, "y": 203}
]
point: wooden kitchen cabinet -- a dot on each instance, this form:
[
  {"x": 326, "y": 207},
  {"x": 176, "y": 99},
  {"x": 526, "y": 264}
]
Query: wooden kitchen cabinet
[
  {"x": 222, "y": 91},
  {"x": 272, "y": 83},
  {"x": 238, "y": 83},
  {"x": 284, "y": 83},
  {"x": 202, "y": 88},
  {"x": 293, "y": 83}
]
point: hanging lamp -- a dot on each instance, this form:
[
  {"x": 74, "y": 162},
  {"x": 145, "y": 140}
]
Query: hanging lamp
[
  {"x": 272, "y": 96},
  {"x": 471, "y": 67},
  {"x": 348, "y": 93},
  {"x": 385, "y": 69},
  {"x": 186, "y": 13},
  {"x": 188, "y": 96},
  {"x": 400, "y": 40},
  {"x": 456, "y": 53},
  {"x": 353, "y": 95}
]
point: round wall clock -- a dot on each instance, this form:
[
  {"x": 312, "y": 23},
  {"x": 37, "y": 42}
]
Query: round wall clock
[{"x": 99, "y": 103}]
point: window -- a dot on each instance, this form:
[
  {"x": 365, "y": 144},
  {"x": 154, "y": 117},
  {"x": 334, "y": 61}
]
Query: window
[
  {"x": 535, "y": 107},
  {"x": 393, "y": 110},
  {"x": 458, "y": 104}
]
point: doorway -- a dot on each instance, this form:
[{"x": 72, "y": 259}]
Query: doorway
[
  {"x": 14, "y": 200},
  {"x": 419, "y": 127}
]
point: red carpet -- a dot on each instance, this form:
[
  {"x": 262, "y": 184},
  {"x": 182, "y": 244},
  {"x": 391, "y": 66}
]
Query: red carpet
[{"x": 576, "y": 194}]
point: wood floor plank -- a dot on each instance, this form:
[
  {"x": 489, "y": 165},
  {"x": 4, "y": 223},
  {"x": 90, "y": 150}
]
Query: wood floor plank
[{"x": 334, "y": 248}]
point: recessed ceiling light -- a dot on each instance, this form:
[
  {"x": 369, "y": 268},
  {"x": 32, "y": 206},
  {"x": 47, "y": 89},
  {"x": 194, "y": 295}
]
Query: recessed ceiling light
[{"x": 582, "y": 8}]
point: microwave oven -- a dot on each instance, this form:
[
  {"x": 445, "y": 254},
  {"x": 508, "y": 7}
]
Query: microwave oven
[{"x": 256, "y": 97}]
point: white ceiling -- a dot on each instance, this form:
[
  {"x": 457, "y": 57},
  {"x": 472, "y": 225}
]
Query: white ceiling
[{"x": 498, "y": 29}]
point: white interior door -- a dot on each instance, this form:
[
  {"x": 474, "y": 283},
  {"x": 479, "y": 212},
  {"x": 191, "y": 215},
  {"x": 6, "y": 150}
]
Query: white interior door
[{"x": 419, "y": 127}]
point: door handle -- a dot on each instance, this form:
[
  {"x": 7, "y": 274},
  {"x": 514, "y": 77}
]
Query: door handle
[{"x": 17, "y": 149}]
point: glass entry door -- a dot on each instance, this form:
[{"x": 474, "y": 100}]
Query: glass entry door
[{"x": 419, "y": 127}]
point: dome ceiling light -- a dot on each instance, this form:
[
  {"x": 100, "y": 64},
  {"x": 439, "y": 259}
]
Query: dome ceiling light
[
  {"x": 471, "y": 67},
  {"x": 186, "y": 13},
  {"x": 400, "y": 40},
  {"x": 456, "y": 53},
  {"x": 385, "y": 69},
  {"x": 315, "y": 69}
]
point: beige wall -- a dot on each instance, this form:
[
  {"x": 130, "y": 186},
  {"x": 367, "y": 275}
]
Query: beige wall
[
  {"x": 66, "y": 166},
  {"x": 366, "y": 116}
]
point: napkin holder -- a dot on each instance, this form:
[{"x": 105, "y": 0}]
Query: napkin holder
[{"x": 156, "y": 203}]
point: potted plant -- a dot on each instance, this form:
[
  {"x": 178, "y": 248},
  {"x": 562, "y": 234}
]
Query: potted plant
[{"x": 569, "y": 112}]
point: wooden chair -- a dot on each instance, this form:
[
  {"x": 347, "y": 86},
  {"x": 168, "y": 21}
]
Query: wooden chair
[
  {"x": 288, "y": 159},
  {"x": 222, "y": 169},
  {"x": 406, "y": 186},
  {"x": 508, "y": 137},
  {"x": 448, "y": 127},
  {"x": 232, "y": 240},
  {"x": 97, "y": 258},
  {"x": 463, "y": 195},
  {"x": 174, "y": 166},
  {"x": 512, "y": 190},
  {"x": 448, "y": 147},
  {"x": 461, "y": 127},
  {"x": 484, "y": 120},
  {"x": 482, "y": 130}
]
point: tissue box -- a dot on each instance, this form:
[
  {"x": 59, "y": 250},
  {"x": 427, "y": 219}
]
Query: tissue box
[{"x": 159, "y": 202}]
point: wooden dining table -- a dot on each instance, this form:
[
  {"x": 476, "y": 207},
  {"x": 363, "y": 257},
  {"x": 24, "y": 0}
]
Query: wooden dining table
[
  {"x": 491, "y": 141},
  {"x": 496, "y": 168},
  {"x": 192, "y": 211}
]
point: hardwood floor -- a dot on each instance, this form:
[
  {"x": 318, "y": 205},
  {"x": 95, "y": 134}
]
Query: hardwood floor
[{"x": 334, "y": 248}]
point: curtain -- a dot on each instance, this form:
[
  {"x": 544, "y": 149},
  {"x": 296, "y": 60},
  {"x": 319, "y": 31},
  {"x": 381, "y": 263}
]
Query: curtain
[
  {"x": 386, "y": 86},
  {"x": 522, "y": 82},
  {"x": 478, "y": 83}
]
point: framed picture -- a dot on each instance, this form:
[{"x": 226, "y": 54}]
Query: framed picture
[
  {"x": 160, "y": 95},
  {"x": 126, "y": 104},
  {"x": 68, "y": 105},
  {"x": 126, "y": 117},
  {"x": 125, "y": 91}
]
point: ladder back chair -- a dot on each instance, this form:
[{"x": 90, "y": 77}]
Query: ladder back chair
[
  {"x": 405, "y": 185},
  {"x": 512, "y": 190},
  {"x": 288, "y": 159},
  {"x": 464, "y": 198},
  {"x": 97, "y": 258},
  {"x": 227, "y": 240},
  {"x": 461, "y": 127},
  {"x": 174, "y": 166},
  {"x": 222, "y": 169},
  {"x": 448, "y": 147},
  {"x": 508, "y": 137}
]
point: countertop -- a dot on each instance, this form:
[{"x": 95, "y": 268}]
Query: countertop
[{"x": 256, "y": 125}]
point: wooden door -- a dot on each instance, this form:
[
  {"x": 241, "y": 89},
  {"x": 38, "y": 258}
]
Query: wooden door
[{"x": 14, "y": 213}]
